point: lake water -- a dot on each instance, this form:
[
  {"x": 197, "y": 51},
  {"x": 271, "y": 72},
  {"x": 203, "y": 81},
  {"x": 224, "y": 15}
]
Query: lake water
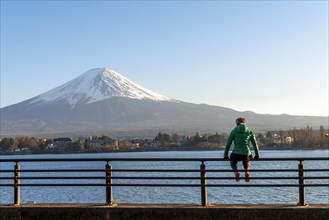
[{"x": 158, "y": 195}]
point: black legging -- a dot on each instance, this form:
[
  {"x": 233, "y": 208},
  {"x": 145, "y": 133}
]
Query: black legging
[{"x": 239, "y": 157}]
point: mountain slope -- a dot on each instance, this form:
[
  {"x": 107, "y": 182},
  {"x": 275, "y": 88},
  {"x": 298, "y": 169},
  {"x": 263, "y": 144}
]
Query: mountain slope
[{"x": 103, "y": 101}]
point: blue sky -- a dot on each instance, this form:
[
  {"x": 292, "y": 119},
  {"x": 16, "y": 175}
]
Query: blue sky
[{"x": 263, "y": 56}]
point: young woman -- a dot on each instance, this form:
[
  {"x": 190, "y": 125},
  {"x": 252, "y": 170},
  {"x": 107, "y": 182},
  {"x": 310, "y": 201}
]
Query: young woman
[{"x": 241, "y": 135}]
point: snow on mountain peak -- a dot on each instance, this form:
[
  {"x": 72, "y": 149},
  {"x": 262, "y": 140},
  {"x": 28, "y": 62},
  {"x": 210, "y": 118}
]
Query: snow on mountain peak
[{"x": 96, "y": 85}]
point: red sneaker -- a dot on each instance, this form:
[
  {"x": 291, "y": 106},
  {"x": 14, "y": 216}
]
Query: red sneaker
[
  {"x": 247, "y": 179},
  {"x": 237, "y": 176}
]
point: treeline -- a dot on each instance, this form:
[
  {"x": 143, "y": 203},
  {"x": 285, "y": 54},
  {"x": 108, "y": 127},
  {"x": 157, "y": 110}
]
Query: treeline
[
  {"x": 202, "y": 141},
  {"x": 24, "y": 143},
  {"x": 295, "y": 138},
  {"x": 34, "y": 144}
]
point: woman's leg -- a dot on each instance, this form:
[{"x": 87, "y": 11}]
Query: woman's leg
[
  {"x": 234, "y": 162},
  {"x": 246, "y": 165},
  {"x": 234, "y": 166}
]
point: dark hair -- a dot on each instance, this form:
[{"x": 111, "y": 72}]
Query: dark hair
[{"x": 240, "y": 120}]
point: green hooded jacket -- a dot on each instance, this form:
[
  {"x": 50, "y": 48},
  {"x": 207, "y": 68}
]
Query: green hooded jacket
[{"x": 242, "y": 136}]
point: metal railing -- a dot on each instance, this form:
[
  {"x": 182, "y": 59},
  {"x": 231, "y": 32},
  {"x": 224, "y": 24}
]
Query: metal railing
[{"x": 109, "y": 171}]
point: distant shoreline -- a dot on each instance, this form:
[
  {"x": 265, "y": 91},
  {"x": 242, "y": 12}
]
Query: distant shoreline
[{"x": 148, "y": 150}]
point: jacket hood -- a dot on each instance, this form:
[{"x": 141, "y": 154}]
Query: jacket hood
[{"x": 242, "y": 128}]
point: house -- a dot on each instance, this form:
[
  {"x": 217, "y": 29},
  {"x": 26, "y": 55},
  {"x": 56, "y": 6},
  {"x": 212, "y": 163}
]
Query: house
[
  {"x": 98, "y": 143},
  {"x": 62, "y": 142}
]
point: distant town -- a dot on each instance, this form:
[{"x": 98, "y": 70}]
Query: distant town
[{"x": 304, "y": 138}]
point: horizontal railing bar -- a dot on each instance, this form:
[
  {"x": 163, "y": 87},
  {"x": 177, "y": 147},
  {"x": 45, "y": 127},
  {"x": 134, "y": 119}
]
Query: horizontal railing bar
[
  {"x": 56, "y": 170},
  {"x": 103, "y": 170},
  {"x": 52, "y": 177},
  {"x": 218, "y": 178},
  {"x": 157, "y": 178},
  {"x": 152, "y": 159},
  {"x": 274, "y": 170},
  {"x": 168, "y": 170},
  {"x": 272, "y": 185},
  {"x": 218, "y": 170},
  {"x": 154, "y": 170},
  {"x": 54, "y": 184},
  {"x": 172, "y": 185}
]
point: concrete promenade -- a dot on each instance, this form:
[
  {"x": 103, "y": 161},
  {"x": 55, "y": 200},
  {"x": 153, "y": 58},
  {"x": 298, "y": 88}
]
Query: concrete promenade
[{"x": 162, "y": 212}]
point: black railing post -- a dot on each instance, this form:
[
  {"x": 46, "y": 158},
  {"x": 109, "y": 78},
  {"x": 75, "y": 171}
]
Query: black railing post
[
  {"x": 17, "y": 181},
  {"x": 109, "y": 196},
  {"x": 204, "y": 199},
  {"x": 301, "y": 184}
]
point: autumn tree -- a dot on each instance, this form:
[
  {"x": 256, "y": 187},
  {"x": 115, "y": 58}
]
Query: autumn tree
[
  {"x": 322, "y": 136},
  {"x": 77, "y": 146},
  {"x": 8, "y": 144},
  {"x": 216, "y": 138},
  {"x": 175, "y": 137}
]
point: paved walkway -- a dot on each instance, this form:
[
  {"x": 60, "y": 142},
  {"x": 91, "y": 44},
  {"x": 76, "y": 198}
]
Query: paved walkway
[
  {"x": 163, "y": 212},
  {"x": 125, "y": 205}
]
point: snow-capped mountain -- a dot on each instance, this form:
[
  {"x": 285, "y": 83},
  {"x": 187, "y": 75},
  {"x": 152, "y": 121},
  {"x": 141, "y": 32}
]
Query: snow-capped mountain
[
  {"x": 97, "y": 85},
  {"x": 102, "y": 101}
]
